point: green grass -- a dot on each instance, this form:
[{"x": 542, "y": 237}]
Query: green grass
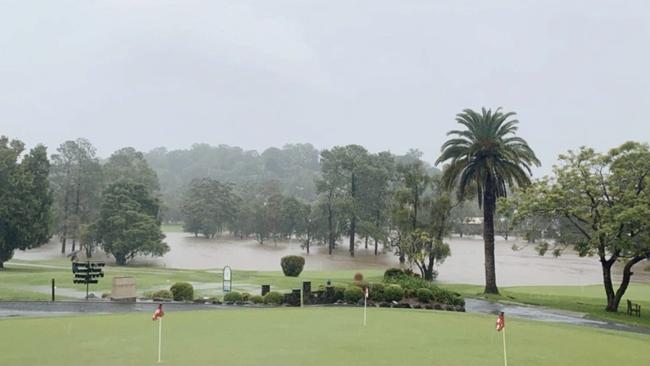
[
  {"x": 584, "y": 299},
  {"x": 19, "y": 280},
  {"x": 314, "y": 336}
]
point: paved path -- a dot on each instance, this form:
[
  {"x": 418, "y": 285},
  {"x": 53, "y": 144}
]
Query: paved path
[{"x": 546, "y": 315}]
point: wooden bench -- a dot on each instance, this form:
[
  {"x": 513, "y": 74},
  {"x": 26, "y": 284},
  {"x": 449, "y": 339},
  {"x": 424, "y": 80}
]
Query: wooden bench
[{"x": 633, "y": 309}]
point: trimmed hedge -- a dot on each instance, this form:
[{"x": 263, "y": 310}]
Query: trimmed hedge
[
  {"x": 182, "y": 291},
  {"x": 292, "y": 265},
  {"x": 257, "y": 299},
  {"x": 233, "y": 296},
  {"x": 162, "y": 294},
  {"x": 353, "y": 294},
  {"x": 376, "y": 291},
  {"x": 393, "y": 293},
  {"x": 273, "y": 298}
]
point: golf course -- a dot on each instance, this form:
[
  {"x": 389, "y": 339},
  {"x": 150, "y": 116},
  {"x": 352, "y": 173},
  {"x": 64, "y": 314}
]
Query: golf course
[{"x": 315, "y": 336}]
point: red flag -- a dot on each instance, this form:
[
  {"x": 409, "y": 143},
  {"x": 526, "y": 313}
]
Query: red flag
[
  {"x": 501, "y": 322},
  {"x": 159, "y": 313}
]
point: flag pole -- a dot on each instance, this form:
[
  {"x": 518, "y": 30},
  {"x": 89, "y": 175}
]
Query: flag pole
[
  {"x": 505, "y": 354},
  {"x": 365, "y": 306},
  {"x": 160, "y": 339}
]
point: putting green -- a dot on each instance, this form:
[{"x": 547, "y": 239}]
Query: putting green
[{"x": 311, "y": 336}]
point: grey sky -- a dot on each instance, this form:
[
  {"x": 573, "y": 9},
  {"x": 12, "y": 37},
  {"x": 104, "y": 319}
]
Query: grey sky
[{"x": 383, "y": 74}]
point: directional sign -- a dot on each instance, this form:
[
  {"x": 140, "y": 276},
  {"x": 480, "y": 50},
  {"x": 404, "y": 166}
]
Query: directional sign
[{"x": 87, "y": 273}]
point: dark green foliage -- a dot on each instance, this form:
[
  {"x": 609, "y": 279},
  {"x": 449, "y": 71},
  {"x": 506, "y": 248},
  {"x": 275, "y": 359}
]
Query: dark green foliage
[
  {"x": 129, "y": 164},
  {"x": 233, "y": 296},
  {"x": 353, "y": 294},
  {"x": 376, "y": 292},
  {"x": 128, "y": 224},
  {"x": 409, "y": 293},
  {"x": 162, "y": 295},
  {"x": 424, "y": 294},
  {"x": 257, "y": 299},
  {"x": 392, "y": 273},
  {"x": 182, "y": 291},
  {"x": 245, "y": 296},
  {"x": 393, "y": 293},
  {"x": 273, "y": 298},
  {"x": 24, "y": 198},
  {"x": 339, "y": 293},
  {"x": 292, "y": 265},
  {"x": 411, "y": 285}
]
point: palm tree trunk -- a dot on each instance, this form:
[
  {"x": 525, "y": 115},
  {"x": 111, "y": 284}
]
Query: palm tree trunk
[{"x": 489, "y": 205}]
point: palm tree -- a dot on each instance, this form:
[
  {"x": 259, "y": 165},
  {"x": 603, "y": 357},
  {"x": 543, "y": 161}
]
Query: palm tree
[{"x": 489, "y": 157}]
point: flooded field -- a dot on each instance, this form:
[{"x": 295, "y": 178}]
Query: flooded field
[{"x": 522, "y": 267}]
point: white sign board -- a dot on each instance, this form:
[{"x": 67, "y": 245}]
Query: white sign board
[{"x": 227, "y": 279}]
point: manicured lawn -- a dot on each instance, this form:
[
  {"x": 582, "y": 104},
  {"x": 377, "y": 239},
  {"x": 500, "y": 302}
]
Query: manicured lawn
[
  {"x": 585, "y": 299},
  {"x": 20, "y": 279},
  {"x": 313, "y": 336}
]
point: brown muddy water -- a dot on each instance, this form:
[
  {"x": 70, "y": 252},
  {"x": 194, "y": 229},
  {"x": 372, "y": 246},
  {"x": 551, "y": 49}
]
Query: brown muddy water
[{"x": 521, "y": 267}]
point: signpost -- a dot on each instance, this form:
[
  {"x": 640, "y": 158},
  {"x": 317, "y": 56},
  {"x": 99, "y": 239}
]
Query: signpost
[
  {"x": 227, "y": 279},
  {"x": 87, "y": 273}
]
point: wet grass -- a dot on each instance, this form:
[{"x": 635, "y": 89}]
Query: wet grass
[
  {"x": 314, "y": 336},
  {"x": 23, "y": 277},
  {"x": 584, "y": 299}
]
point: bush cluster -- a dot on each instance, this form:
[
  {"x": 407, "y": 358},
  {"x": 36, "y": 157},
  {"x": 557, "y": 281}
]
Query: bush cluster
[
  {"x": 393, "y": 293},
  {"x": 412, "y": 284},
  {"x": 162, "y": 294},
  {"x": 182, "y": 291},
  {"x": 424, "y": 295},
  {"x": 353, "y": 294},
  {"x": 292, "y": 265},
  {"x": 273, "y": 298},
  {"x": 376, "y": 291},
  {"x": 233, "y": 296},
  {"x": 257, "y": 299}
]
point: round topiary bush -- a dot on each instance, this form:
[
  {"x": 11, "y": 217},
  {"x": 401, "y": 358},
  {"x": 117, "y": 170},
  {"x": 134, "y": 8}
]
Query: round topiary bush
[
  {"x": 182, "y": 291},
  {"x": 393, "y": 293},
  {"x": 339, "y": 293},
  {"x": 424, "y": 294},
  {"x": 232, "y": 296},
  {"x": 257, "y": 299},
  {"x": 273, "y": 298},
  {"x": 353, "y": 294},
  {"x": 292, "y": 265},
  {"x": 162, "y": 295},
  {"x": 358, "y": 277},
  {"x": 245, "y": 296}
]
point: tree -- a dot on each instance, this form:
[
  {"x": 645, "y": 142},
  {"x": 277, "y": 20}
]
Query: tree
[
  {"x": 489, "y": 155},
  {"x": 208, "y": 207},
  {"x": 506, "y": 211},
  {"x": 76, "y": 182},
  {"x": 127, "y": 163},
  {"x": 332, "y": 194},
  {"x": 25, "y": 199},
  {"x": 129, "y": 222},
  {"x": 605, "y": 197}
]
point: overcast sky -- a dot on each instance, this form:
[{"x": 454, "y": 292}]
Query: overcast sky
[{"x": 389, "y": 75}]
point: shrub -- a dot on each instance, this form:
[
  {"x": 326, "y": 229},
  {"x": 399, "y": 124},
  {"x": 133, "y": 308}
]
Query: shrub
[
  {"x": 274, "y": 298},
  {"x": 182, "y": 291},
  {"x": 353, "y": 294},
  {"x": 376, "y": 291},
  {"x": 424, "y": 294},
  {"x": 292, "y": 265},
  {"x": 409, "y": 293},
  {"x": 245, "y": 296},
  {"x": 339, "y": 293},
  {"x": 233, "y": 296},
  {"x": 393, "y": 293},
  {"x": 257, "y": 299},
  {"x": 162, "y": 294},
  {"x": 392, "y": 273}
]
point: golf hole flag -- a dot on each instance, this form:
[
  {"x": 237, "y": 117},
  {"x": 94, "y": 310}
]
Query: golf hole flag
[
  {"x": 365, "y": 292},
  {"x": 501, "y": 322},
  {"x": 159, "y": 313}
]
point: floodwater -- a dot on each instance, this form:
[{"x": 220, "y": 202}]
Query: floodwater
[{"x": 521, "y": 267}]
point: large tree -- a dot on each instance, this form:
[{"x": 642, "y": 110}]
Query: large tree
[
  {"x": 605, "y": 199},
  {"x": 129, "y": 222},
  {"x": 128, "y": 163},
  {"x": 25, "y": 199},
  {"x": 487, "y": 155},
  {"x": 209, "y": 206},
  {"x": 76, "y": 182}
]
